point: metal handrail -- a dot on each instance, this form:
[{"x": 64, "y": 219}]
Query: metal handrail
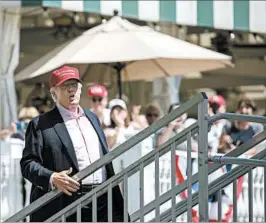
[
  {"x": 130, "y": 170},
  {"x": 226, "y": 179},
  {"x": 237, "y": 117},
  {"x": 110, "y": 156},
  {"x": 147, "y": 159},
  {"x": 217, "y": 184},
  {"x": 211, "y": 168},
  {"x": 234, "y": 160},
  {"x": 254, "y": 141}
]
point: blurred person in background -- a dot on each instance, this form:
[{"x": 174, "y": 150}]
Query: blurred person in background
[
  {"x": 174, "y": 127},
  {"x": 62, "y": 142},
  {"x": 7, "y": 133},
  {"x": 18, "y": 128},
  {"x": 120, "y": 124},
  {"x": 238, "y": 132},
  {"x": 216, "y": 105},
  {"x": 166, "y": 133},
  {"x": 98, "y": 97},
  {"x": 39, "y": 95},
  {"x": 41, "y": 104},
  {"x": 137, "y": 120},
  {"x": 152, "y": 113},
  {"x": 26, "y": 114}
]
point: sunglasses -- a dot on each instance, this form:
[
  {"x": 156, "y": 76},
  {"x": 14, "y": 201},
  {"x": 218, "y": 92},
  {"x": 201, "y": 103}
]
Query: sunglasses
[
  {"x": 67, "y": 85},
  {"x": 152, "y": 115},
  {"x": 97, "y": 99}
]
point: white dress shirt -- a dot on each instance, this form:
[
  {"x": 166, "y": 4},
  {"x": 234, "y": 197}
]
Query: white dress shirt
[{"x": 85, "y": 142}]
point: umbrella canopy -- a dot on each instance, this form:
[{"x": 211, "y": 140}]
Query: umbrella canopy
[{"x": 136, "y": 53}]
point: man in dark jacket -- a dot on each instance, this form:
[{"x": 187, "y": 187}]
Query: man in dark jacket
[{"x": 61, "y": 143}]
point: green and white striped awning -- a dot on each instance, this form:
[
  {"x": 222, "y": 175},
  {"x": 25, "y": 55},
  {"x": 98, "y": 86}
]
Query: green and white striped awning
[{"x": 245, "y": 15}]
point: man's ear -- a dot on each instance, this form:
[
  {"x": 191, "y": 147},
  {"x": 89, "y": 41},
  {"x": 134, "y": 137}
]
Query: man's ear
[{"x": 53, "y": 94}]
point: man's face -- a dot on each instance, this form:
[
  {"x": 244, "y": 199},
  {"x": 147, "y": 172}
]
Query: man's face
[
  {"x": 68, "y": 94},
  {"x": 98, "y": 103}
]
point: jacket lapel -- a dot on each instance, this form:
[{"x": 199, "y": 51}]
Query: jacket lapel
[
  {"x": 63, "y": 134},
  {"x": 98, "y": 130},
  {"x": 97, "y": 127}
]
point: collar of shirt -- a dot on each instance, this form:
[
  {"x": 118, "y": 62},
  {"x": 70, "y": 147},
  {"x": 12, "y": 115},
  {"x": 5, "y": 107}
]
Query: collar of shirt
[{"x": 67, "y": 114}]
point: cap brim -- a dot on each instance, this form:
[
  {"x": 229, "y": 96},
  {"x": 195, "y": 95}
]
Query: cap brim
[
  {"x": 63, "y": 81},
  {"x": 117, "y": 105},
  {"x": 96, "y": 95}
]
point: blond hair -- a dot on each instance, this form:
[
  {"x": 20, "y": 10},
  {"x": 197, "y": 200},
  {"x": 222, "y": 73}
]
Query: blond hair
[{"x": 28, "y": 113}]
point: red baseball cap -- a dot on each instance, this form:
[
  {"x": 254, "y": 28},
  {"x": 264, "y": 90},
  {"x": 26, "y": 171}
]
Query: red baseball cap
[
  {"x": 218, "y": 99},
  {"x": 63, "y": 74},
  {"x": 97, "y": 90}
]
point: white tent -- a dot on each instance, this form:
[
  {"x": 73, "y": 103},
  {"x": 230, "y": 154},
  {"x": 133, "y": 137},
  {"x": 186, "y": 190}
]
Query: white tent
[
  {"x": 9, "y": 59},
  {"x": 136, "y": 53}
]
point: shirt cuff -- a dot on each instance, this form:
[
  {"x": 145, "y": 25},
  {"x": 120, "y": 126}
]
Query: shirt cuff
[{"x": 51, "y": 180}]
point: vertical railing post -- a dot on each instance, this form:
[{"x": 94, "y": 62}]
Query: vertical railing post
[
  {"x": 203, "y": 158},
  {"x": 189, "y": 178}
]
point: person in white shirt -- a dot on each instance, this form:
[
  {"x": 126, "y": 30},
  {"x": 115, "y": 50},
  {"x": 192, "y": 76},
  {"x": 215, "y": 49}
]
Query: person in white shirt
[{"x": 120, "y": 124}]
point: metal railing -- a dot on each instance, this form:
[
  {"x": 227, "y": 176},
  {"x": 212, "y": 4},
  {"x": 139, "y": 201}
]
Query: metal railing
[
  {"x": 201, "y": 98},
  {"x": 215, "y": 186},
  {"x": 185, "y": 205},
  {"x": 226, "y": 179},
  {"x": 236, "y": 208},
  {"x": 201, "y": 197}
]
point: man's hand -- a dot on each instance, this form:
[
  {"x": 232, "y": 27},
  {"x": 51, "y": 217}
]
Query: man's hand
[{"x": 65, "y": 183}]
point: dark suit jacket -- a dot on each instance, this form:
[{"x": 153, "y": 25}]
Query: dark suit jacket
[{"x": 49, "y": 149}]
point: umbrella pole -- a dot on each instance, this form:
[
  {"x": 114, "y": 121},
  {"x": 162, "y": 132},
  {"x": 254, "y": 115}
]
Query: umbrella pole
[
  {"x": 119, "y": 67},
  {"x": 119, "y": 83}
]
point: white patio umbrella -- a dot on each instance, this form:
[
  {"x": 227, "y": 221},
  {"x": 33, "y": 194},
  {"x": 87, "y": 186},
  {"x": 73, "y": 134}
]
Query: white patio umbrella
[{"x": 135, "y": 52}]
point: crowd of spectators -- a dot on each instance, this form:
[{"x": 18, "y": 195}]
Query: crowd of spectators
[{"x": 118, "y": 119}]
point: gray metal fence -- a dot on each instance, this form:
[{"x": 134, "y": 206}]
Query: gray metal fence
[{"x": 176, "y": 208}]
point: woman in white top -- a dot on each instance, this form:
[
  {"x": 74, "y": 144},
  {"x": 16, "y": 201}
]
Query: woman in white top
[
  {"x": 119, "y": 128},
  {"x": 119, "y": 131}
]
